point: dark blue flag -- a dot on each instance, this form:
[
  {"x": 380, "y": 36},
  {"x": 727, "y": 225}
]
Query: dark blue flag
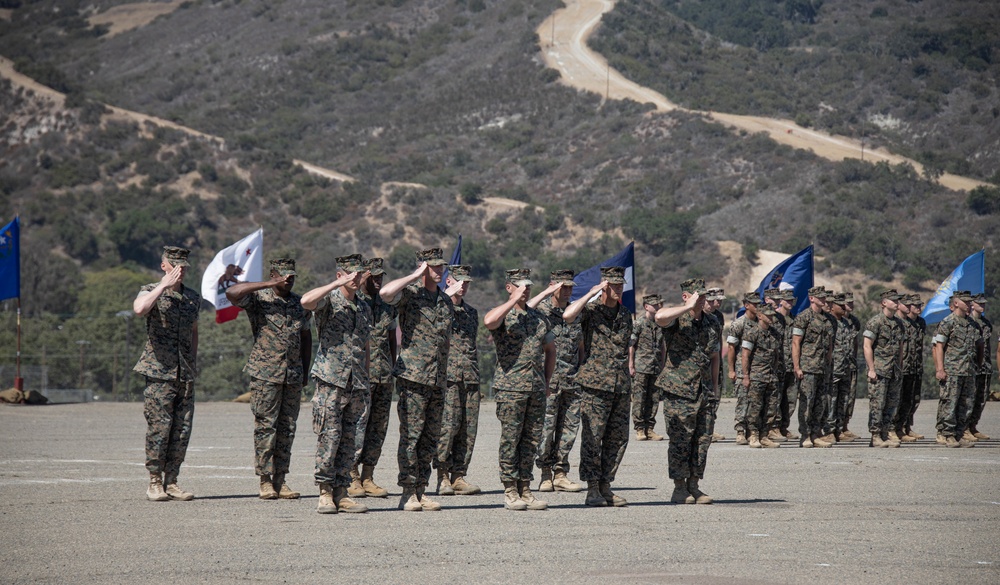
[
  {"x": 456, "y": 259},
  {"x": 589, "y": 278},
  {"x": 795, "y": 273},
  {"x": 10, "y": 260}
]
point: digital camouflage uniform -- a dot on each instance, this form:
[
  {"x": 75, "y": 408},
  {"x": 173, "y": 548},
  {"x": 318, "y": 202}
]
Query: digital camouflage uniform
[
  {"x": 766, "y": 355},
  {"x": 734, "y": 338},
  {"x": 983, "y": 373},
  {"x": 168, "y": 363},
  {"x": 960, "y": 336},
  {"x": 519, "y": 388},
  {"x": 855, "y": 324},
  {"x": 340, "y": 405},
  {"x": 460, "y": 415},
  {"x": 845, "y": 342},
  {"x": 276, "y": 374},
  {"x": 886, "y": 334},
  {"x": 647, "y": 339},
  {"x": 686, "y": 386},
  {"x": 605, "y": 387},
  {"x": 788, "y": 384},
  {"x": 718, "y": 321},
  {"x": 817, "y": 331},
  {"x": 914, "y": 331},
  {"x": 380, "y": 378},
  {"x": 425, "y": 318},
  {"x": 562, "y": 405}
]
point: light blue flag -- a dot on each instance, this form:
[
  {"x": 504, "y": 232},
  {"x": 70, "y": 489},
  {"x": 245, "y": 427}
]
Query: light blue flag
[
  {"x": 456, "y": 259},
  {"x": 970, "y": 275},
  {"x": 10, "y": 260},
  {"x": 589, "y": 278},
  {"x": 796, "y": 274}
]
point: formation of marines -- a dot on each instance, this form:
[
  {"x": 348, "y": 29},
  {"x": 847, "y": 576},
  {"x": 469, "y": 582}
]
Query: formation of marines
[{"x": 563, "y": 369}]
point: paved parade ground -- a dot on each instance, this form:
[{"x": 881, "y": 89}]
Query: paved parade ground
[{"x": 72, "y": 495}]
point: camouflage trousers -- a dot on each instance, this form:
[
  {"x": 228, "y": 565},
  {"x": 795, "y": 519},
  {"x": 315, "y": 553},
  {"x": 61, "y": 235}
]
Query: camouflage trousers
[
  {"x": 813, "y": 401},
  {"x": 419, "y": 409},
  {"x": 604, "y": 436},
  {"x": 645, "y": 401},
  {"x": 955, "y": 405},
  {"x": 742, "y": 405},
  {"x": 459, "y": 426},
  {"x": 851, "y": 399},
  {"x": 840, "y": 394},
  {"x": 378, "y": 423},
  {"x": 689, "y": 428},
  {"x": 979, "y": 401},
  {"x": 521, "y": 416},
  {"x": 338, "y": 413},
  {"x": 883, "y": 396},
  {"x": 275, "y": 409},
  {"x": 562, "y": 423},
  {"x": 788, "y": 392},
  {"x": 909, "y": 400},
  {"x": 169, "y": 410},
  {"x": 763, "y": 403}
]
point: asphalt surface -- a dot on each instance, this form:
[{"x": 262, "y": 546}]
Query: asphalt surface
[{"x": 73, "y": 509}]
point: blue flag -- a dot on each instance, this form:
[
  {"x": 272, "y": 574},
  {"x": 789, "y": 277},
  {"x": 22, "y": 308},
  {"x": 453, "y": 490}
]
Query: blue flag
[
  {"x": 589, "y": 278},
  {"x": 10, "y": 260},
  {"x": 795, "y": 273},
  {"x": 970, "y": 275},
  {"x": 456, "y": 259}
]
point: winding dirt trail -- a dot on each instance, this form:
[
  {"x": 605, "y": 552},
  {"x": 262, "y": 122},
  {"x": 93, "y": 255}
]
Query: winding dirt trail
[{"x": 564, "y": 35}]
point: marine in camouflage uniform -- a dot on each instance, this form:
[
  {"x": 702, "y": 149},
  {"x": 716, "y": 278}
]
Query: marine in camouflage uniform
[
  {"x": 526, "y": 357},
  {"x": 958, "y": 353},
  {"x": 380, "y": 381},
  {"x": 734, "y": 337},
  {"x": 788, "y": 385},
  {"x": 883, "y": 339},
  {"x": 914, "y": 328},
  {"x": 985, "y": 373},
  {"x": 855, "y": 324},
  {"x": 688, "y": 385},
  {"x": 761, "y": 361},
  {"x": 278, "y": 361},
  {"x": 813, "y": 333},
  {"x": 426, "y": 315},
  {"x": 460, "y": 414},
  {"x": 605, "y": 384},
  {"x": 168, "y": 362},
  {"x": 713, "y": 302},
  {"x": 645, "y": 360},
  {"x": 340, "y": 370},
  {"x": 845, "y": 344},
  {"x": 562, "y": 405}
]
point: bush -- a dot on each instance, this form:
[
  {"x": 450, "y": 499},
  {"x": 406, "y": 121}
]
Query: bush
[{"x": 984, "y": 200}]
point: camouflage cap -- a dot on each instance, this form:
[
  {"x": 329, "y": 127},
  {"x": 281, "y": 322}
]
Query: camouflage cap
[
  {"x": 819, "y": 292},
  {"x": 752, "y": 297},
  {"x": 461, "y": 272},
  {"x": 838, "y": 299},
  {"x": 375, "y": 266},
  {"x": 432, "y": 256},
  {"x": 788, "y": 294},
  {"x": 565, "y": 276},
  {"x": 848, "y": 297},
  {"x": 283, "y": 266},
  {"x": 913, "y": 299},
  {"x": 693, "y": 286},
  {"x": 979, "y": 298},
  {"x": 519, "y": 276},
  {"x": 773, "y": 293},
  {"x": 962, "y": 295},
  {"x": 767, "y": 310},
  {"x": 652, "y": 300},
  {"x": 176, "y": 256},
  {"x": 351, "y": 263},
  {"x": 715, "y": 294},
  {"x": 889, "y": 294},
  {"x": 613, "y": 274}
]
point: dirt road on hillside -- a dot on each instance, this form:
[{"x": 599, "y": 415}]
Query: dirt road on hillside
[{"x": 564, "y": 47}]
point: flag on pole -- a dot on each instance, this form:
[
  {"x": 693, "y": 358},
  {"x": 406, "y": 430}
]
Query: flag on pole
[
  {"x": 970, "y": 275},
  {"x": 10, "y": 260},
  {"x": 796, "y": 274},
  {"x": 590, "y": 277},
  {"x": 241, "y": 262},
  {"x": 456, "y": 259}
]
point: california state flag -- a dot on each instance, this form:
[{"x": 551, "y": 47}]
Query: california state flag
[{"x": 241, "y": 262}]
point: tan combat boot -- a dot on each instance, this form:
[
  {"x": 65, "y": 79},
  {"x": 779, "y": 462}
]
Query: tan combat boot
[
  {"x": 652, "y": 436},
  {"x": 640, "y": 435},
  {"x": 716, "y": 437},
  {"x": 968, "y": 436},
  {"x": 790, "y": 435},
  {"x": 426, "y": 504},
  {"x": 174, "y": 491},
  {"x": 409, "y": 500},
  {"x": 345, "y": 503},
  {"x": 155, "y": 493},
  {"x": 980, "y": 435},
  {"x": 444, "y": 484},
  {"x": 741, "y": 438},
  {"x": 806, "y": 442},
  {"x": 546, "y": 484},
  {"x": 825, "y": 441},
  {"x": 890, "y": 440},
  {"x": 846, "y": 435},
  {"x": 767, "y": 443},
  {"x": 775, "y": 436},
  {"x": 594, "y": 496},
  {"x": 267, "y": 488},
  {"x": 700, "y": 497},
  {"x": 563, "y": 484},
  {"x": 905, "y": 437},
  {"x": 511, "y": 499},
  {"x": 914, "y": 434},
  {"x": 877, "y": 441},
  {"x": 284, "y": 492},
  {"x": 326, "y": 504},
  {"x": 610, "y": 497},
  {"x": 371, "y": 488},
  {"x": 681, "y": 494},
  {"x": 940, "y": 439},
  {"x": 529, "y": 499},
  {"x": 355, "y": 490},
  {"x": 462, "y": 487},
  {"x": 965, "y": 443},
  {"x": 754, "y": 440},
  {"x": 951, "y": 442}
]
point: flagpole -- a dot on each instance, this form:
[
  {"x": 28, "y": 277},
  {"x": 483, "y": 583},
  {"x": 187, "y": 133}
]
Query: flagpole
[{"x": 18, "y": 380}]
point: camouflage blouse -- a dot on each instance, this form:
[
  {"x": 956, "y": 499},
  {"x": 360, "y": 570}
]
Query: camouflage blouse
[
  {"x": 986, "y": 326},
  {"x": 606, "y": 332},
  {"x": 169, "y": 352},
  {"x": 647, "y": 339},
  {"x": 520, "y": 341},
  {"x": 817, "y": 331},
  {"x": 765, "y": 353},
  {"x": 344, "y": 328},
  {"x": 426, "y": 319},
  {"x": 886, "y": 334},
  {"x": 690, "y": 345},
  {"x": 914, "y": 331},
  {"x": 463, "y": 357},
  {"x": 383, "y": 325},
  {"x": 845, "y": 342},
  {"x": 277, "y": 324},
  {"x": 568, "y": 337},
  {"x": 734, "y": 337},
  {"x": 961, "y": 336}
]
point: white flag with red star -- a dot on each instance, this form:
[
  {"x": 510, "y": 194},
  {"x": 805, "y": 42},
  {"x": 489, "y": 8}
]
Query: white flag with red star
[{"x": 241, "y": 262}]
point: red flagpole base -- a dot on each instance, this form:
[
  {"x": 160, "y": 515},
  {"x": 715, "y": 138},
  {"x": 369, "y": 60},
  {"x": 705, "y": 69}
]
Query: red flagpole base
[{"x": 19, "y": 384}]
